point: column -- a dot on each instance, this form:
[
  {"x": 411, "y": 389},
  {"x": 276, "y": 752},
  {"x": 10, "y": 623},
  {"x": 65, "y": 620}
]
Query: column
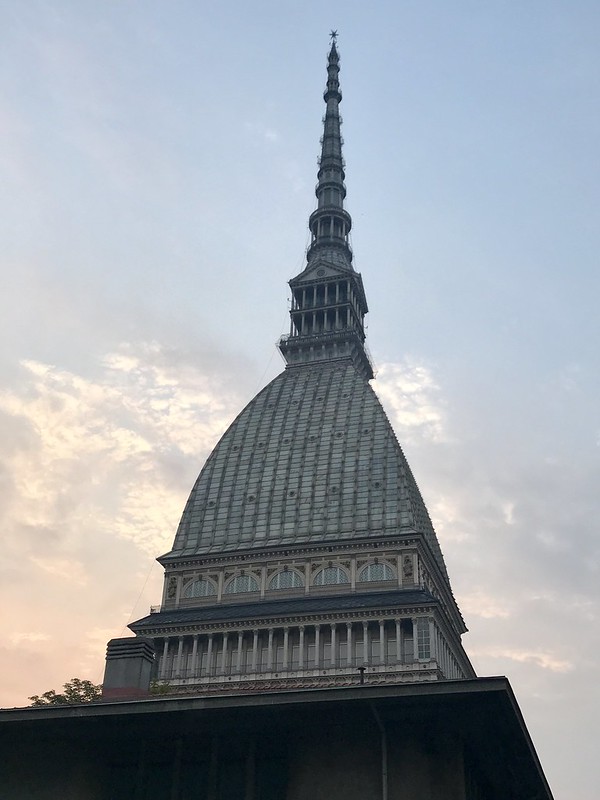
[
  {"x": 415, "y": 639},
  {"x": 220, "y": 587},
  {"x": 179, "y": 658},
  {"x": 238, "y": 664},
  {"x": 263, "y": 581},
  {"x": 224, "y": 656},
  {"x": 349, "y": 655},
  {"x": 441, "y": 650},
  {"x": 353, "y": 574},
  {"x": 270, "y": 652},
  {"x": 209, "y": 652},
  {"x": 432, "y": 640},
  {"x": 382, "y": 641},
  {"x": 366, "y": 642},
  {"x": 254, "y": 651},
  {"x": 301, "y": 649},
  {"x": 194, "y": 667},
  {"x": 286, "y": 644},
  {"x": 164, "y": 662},
  {"x": 317, "y": 646},
  {"x": 333, "y": 659},
  {"x": 398, "y": 641}
]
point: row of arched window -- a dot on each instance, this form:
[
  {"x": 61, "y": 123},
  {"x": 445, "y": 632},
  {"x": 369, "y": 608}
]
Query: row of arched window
[{"x": 289, "y": 579}]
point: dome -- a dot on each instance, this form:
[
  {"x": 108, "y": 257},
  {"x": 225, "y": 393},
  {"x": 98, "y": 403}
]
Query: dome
[{"x": 311, "y": 459}]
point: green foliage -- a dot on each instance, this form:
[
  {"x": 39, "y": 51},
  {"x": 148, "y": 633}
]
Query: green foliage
[
  {"x": 75, "y": 691},
  {"x": 160, "y": 687}
]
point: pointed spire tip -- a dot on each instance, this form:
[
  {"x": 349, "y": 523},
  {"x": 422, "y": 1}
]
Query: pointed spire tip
[{"x": 333, "y": 39}]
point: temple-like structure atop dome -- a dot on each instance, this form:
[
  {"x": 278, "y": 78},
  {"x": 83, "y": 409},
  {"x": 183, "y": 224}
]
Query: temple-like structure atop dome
[{"x": 305, "y": 555}]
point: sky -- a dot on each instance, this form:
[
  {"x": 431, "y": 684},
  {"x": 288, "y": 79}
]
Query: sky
[{"x": 157, "y": 170}]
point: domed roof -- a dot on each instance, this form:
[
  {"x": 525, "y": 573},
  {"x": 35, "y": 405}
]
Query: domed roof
[{"x": 311, "y": 459}]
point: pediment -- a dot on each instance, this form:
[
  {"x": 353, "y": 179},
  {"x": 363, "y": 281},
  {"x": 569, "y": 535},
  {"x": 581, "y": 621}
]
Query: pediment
[{"x": 320, "y": 270}]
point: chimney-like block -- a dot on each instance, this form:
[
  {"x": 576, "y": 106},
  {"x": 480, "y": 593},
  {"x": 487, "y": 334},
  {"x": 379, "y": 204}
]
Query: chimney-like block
[{"x": 128, "y": 668}]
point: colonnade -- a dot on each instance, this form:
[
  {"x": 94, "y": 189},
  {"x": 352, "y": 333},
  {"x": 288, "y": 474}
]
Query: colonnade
[
  {"x": 297, "y": 648},
  {"x": 339, "y": 309},
  {"x": 326, "y": 321}
]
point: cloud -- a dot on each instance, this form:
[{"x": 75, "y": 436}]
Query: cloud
[
  {"x": 94, "y": 472},
  {"x": 541, "y": 659},
  {"x": 108, "y": 453},
  {"x": 27, "y": 637},
  {"x": 66, "y": 569},
  {"x": 482, "y": 604},
  {"x": 412, "y": 398}
]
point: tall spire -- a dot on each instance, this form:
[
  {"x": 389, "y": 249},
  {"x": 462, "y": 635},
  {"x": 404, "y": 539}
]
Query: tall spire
[
  {"x": 328, "y": 299},
  {"x": 330, "y": 224},
  {"x": 307, "y": 508}
]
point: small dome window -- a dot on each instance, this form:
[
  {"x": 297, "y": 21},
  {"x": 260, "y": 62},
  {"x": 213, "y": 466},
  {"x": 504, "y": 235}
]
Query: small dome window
[
  {"x": 330, "y": 576},
  {"x": 200, "y": 588},
  {"x": 376, "y": 572},
  {"x": 241, "y": 583},
  {"x": 289, "y": 579}
]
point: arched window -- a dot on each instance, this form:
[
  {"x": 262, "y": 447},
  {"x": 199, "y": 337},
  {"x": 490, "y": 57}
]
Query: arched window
[
  {"x": 200, "y": 588},
  {"x": 330, "y": 576},
  {"x": 286, "y": 580},
  {"x": 241, "y": 583},
  {"x": 376, "y": 572}
]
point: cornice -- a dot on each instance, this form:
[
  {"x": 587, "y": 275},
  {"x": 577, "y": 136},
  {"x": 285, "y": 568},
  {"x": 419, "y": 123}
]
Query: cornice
[
  {"x": 304, "y": 550},
  {"x": 295, "y": 620}
]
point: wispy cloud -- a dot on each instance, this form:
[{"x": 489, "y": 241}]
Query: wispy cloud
[
  {"x": 483, "y": 604},
  {"x": 93, "y": 477},
  {"x": 538, "y": 658},
  {"x": 105, "y": 452},
  {"x": 65, "y": 569},
  {"x": 27, "y": 638},
  {"x": 413, "y": 400}
]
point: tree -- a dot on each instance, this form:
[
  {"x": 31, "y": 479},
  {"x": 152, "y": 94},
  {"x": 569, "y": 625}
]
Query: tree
[
  {"x": 160, "y": 687},
  {"x": 75, "y": 691}
]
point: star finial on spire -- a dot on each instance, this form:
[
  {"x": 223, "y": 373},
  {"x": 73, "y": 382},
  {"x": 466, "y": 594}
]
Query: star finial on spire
[{"x": 333, "y": 36}]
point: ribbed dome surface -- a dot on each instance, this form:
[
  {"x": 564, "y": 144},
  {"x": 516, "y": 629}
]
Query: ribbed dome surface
[{"x": 312, "y": 459}]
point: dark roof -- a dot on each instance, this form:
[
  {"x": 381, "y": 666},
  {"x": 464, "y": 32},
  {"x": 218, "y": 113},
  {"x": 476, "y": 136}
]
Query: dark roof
[
  {"x": 282, "y": 608},
  {"x": 482, "y": 713}
]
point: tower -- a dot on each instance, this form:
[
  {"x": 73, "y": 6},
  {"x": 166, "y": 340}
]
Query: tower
[{"x": 305, "y": 556}]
